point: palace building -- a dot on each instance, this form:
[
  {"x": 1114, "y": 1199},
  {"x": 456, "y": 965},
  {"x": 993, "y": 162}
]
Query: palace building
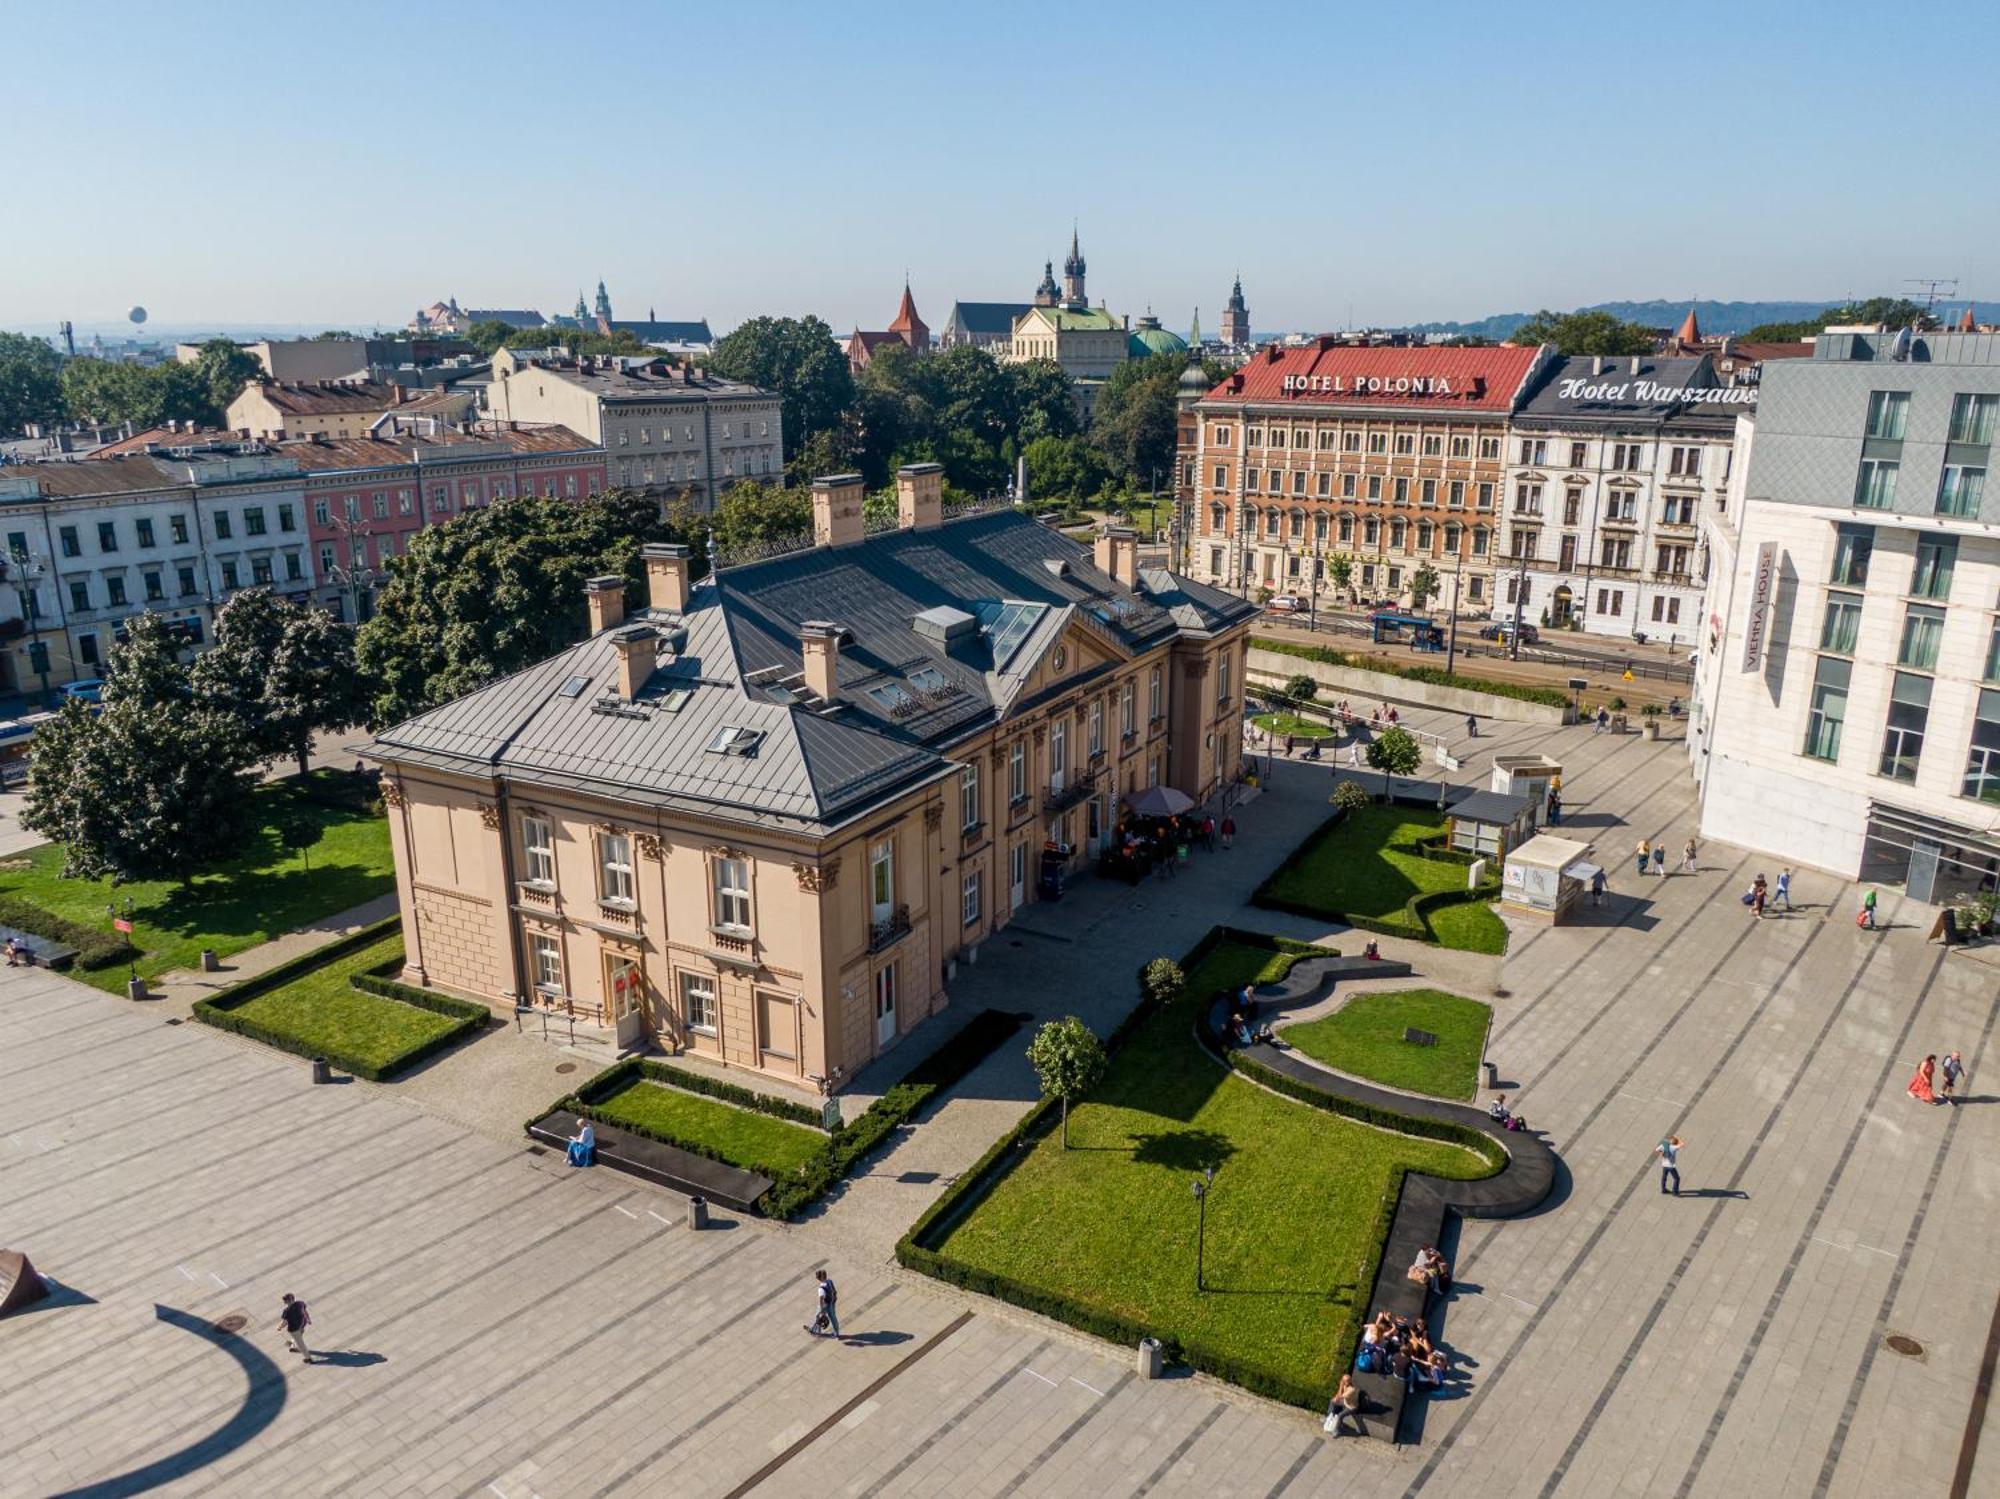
[
  {"x": 1393, "y": 458},
  {"x": 765, "y": 816}
]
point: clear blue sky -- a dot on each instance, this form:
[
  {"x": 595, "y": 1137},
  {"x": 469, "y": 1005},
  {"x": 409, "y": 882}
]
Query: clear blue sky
[{"x": 343, "y": 164}]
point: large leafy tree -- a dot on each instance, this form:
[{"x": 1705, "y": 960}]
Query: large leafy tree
[
  {"x": 1584, "y": 333},
  {"x": 225, "y": 368},
  {"x": 751, "y": 512},
  {"x": 282, "y": 674},
  {"x": 1134, "y": 425},
  {"x": 233, "y": 675},
  {"x": 156, "y": 785},
  {"x": 30, "y": 382},
  {"x": 1063, "y": 468},
  {"x": 496, "y": 590},
  {"x": 111, "y": 391},
  {"x": 799, "y": 359},
  {"x": 1890, "y": 312},
  {"x": 1395, "y": 752}
]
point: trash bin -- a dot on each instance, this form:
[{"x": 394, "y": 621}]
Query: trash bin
[
  {"x": 1149, "y": 1358},
  {"x": 135, "y": 988},
  {"x": 321, "y": 1072},
  {"x": 697, "y": 1212},
  {"x": 209, "y": 961}
]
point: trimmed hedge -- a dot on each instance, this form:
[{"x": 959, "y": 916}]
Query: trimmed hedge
[
  {"x": 1416, "y": 909},
  {"x": 472, "y": 1017},
  {"x": 1432, "y": 676},
  {"x": 94, "y": 948},
  {"x": 846, "y": 1146}
]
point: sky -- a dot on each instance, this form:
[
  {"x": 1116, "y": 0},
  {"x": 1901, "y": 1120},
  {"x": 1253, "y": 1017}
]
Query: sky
[{"x": 1357, "y": 164}]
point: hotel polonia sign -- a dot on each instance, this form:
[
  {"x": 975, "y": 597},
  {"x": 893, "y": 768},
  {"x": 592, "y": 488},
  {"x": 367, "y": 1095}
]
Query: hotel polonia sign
[{"x": 1371, "y": 385}]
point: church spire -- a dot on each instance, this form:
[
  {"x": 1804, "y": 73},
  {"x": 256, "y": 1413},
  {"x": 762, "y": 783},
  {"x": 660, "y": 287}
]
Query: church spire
[{"x": 1073, "y": 269}]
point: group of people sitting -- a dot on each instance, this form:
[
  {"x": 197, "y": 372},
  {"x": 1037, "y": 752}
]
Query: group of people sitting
[
  {"x": 1402, "y": 1348},
  {"x": 18, "y": 953},
  {"x": 1501, "y": 1116},
  {"x": 1244, "y": 1027},
  {"x": 1162, "y": 845}
]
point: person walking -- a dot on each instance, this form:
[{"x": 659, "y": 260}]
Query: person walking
[
  {"x": 826, "y": 1319},
  {"x": 1228, "y": 832},
  {"x": 1783, "y": 892},
  {"x": 1920, "y": 1085},
  {"x": 1597, "y": 883},
  {"x": 1555, "y": 809},
  {"x": 1688, "y": 862},
  {"x": 1208, "y": 831},
  {"x": 1660, "y": 860},
  {"x": 1758, "y": 895},
  {"x": 1602, "y": 721},
  {"x": 1644, "y": 854},
  {"x": 1866, "y": 919},
  {"x": 1668, "y": 1154},
  {"x": 295, "y": 1319},
  {"x": 1953, "y": 1069},
  {"x": 1472, "y": 726}
]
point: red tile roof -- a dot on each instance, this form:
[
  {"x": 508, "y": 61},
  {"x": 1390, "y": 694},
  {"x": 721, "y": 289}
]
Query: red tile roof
[{"x": 1333, "y": 374}]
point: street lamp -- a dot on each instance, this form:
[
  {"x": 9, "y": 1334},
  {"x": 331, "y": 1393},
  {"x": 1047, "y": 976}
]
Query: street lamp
[
  {"x": 1457, "y": 599},
  {"x": 356, "y": 580},
  {"x": 29, "y": 570},
  {"x": 1201, "y": 1185}
]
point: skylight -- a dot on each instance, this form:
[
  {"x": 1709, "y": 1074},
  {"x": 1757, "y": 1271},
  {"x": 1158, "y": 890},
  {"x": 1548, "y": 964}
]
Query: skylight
[
  {"x": 890, "y": 695},
  {"x": 927, "y": 679},
  {"x": 1007, "y": 623},
  {"x": 675, "y": 699},
  {"x": 733, "y": 739},
  {"x": 573, "y": 687}
]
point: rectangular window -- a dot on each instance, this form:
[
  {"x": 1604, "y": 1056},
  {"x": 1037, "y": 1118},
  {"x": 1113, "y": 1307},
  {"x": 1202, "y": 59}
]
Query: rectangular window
[
  {"x": 294, "y": 570},
  {"x": 1960, "y": 490},
  {"x": 732, "y": 894},
  {"x": 1095, "y": 719},
  {"x": 222, "y": 530},
  {"x": 71, "y": 547},
  {"x": 882, "y": 882},
  {"x": 107, "y": 536},
  {"x": 1853, "y": 546},
  {"x": 1374, "y": 486},
  {"x": 1128, "y": 711},
  {"x": 1378, "y": 442},
  {"x": 1972, "y": 418},
  {"x": 321, "y": 515},
  {"x": 1154, "y": 708},
  {"x": 1221, "y": 477},
  {"x": 1406, "y": 444},
  {"x": 698, "y": 1000},
  {"x": 538, "y": 851},
  {"x": 1875, "y": 484},
  {"x": 115, "y": 587},
  {"x": 1922, "y": 628},
  {"x": 229, "y": 577},
  {"x": 1828, "y": 708},
  {"x": 1992, "y": 672},
  {"x": 1222, "y": 679},
  {"x": 1058, "y": 753},
  {"x": 1017, "y": 772},
  {"x": 287, "y": 519},
  {"x": 178, "y": 526},
  {"x": 1433, "y": 445},
  {"x": 1486, "y": 496},
  {"x": 548, "y": 963},
  {"x": 144, "y": 526},
  {"x": 1842, "y": 624},
  {"x": 1982, "y": 764},
  {"x": 1888, "y": 414},
  {"x": 260, "y": 570},
  {"x": 79, "y": 593},
  {"x": 1577, "y": 452},
  {"x": 614, "y": 864},
  {"x": 968, "y": 797},
  {"x": 971, "y": 899},
  {"x": 1936, "y": 556},
  {"x": 1903, "y": 738},
  {"x": 155, "y": 588},
  {"x": 1252, "y": 479},
  {"x": 253, "y": 521},
  {"x": 185, "y": 577}
]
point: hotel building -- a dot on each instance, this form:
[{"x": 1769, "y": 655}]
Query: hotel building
[
  {"x": 1847, "y": 701},
  {"x": 764, "y": 817}
]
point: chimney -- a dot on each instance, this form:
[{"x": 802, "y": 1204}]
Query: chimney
[
  {"x": 920, "y": 496},
  {"x": 821, "y": 643},
  {"x": 1635, "y": 364},
  {"x": 1597, "y": 365},
  {"x": 1117, "y": 553},
  {"x": 638, "y": 648},
  {"x": 836, "y": 510},
  {"x": 606, "y": 597},
  {"x": 667, "y": 584}
]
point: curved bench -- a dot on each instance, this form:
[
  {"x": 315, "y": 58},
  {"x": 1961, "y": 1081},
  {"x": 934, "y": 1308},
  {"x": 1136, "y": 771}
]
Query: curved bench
[{"x": 1520, "y": 1186}]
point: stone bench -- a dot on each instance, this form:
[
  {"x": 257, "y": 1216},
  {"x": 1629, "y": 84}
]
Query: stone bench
[
  {"x": 42, "y": 952},
  {"x": 661, "y": 1164}
]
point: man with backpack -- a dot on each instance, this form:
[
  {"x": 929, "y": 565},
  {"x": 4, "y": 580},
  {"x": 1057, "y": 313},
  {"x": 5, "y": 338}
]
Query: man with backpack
[
  {"x": 827, "y": 1319},
  {"x": 294, "y": 1319}
]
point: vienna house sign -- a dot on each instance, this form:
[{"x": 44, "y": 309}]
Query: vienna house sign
[{"x": 1369, "y": 385}]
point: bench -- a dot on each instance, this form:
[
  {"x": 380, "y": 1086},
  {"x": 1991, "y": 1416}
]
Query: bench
[
  {"x": 661, "y": 1164},
  {"x": 42, "y": 952}
]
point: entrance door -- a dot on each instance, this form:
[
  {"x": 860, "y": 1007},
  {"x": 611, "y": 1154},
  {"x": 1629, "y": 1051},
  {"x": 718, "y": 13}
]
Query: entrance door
[
  {"x": 1094, "y": 831},
  {"x": 1017, "y": 876},
  {"x": 1922, "y": 882},
  {"x": 623, "y": 988},
  {"x": 885, "y": 1004}
]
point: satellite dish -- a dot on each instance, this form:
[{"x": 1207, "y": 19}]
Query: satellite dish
[{"x": 137, "y": 314}]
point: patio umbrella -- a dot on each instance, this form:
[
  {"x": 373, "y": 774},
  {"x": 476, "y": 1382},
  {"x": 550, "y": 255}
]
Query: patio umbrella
[{"x": 1159, "y": 801}]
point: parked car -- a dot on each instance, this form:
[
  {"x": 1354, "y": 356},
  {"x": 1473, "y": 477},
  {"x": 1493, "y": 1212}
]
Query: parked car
[
  {"x": 1285, "y": 603},
  {"x": 90, "y": 689},
  {"x": 1503, "y": 630}
]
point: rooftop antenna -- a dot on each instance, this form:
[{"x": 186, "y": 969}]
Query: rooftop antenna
[{"x": 1934, "y": 287}]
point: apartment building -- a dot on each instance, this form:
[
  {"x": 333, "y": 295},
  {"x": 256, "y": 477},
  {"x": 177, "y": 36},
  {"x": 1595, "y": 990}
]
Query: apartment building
[
  {"x": 336, "y": 408},
  {"x": 672, "y": 428},
  {"x": 1393, "y": 458},
  {"x": 1847, "y": 703},
  {"x": 1611, "y": 464},
  {"x": 764, "y": 817}
]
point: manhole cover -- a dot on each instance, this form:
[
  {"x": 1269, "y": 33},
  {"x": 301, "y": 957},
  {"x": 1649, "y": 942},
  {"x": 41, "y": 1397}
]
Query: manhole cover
[
  {"x": 1907, "y": 1346},
  {"x": 538, "y": 1150},
  {"x": 234, "y": 1322},
  {"x": 565, "y": 1067},
  {"x": 173, "y": 1020}
]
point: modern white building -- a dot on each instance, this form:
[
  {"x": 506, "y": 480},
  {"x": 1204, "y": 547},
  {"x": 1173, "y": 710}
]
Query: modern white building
[{"x": 1847, "y": 702}]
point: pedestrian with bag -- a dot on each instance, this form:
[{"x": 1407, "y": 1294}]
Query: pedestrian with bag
[
  {"x": 294, "y": 1319},
  {"x": 1668, "y": 1154},
  {"x": 1866, "y": 920},
  {"x": 826, "y": 1319}
]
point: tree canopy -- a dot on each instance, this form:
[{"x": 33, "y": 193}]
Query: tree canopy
[
  {"x": 797, "y": 359},
  {"x": 1890, "y": 312},
  {"x": 30, "y": 382},
  {"x": 281, "y": 673},
  {"x": 751, "y": 512},
  {"x": 1584, "y": 333},
  {"x": 1068, "y": 1060}
]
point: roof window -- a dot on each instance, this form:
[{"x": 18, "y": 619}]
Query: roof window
[
  {"x": 734, "y": 739},
  {"x": 573, "y": 687}
]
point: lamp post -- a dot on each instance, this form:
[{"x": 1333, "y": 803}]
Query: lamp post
[
  {"x": 1201, "y": 1185},
  {"x": 357, "y": 581},
  {"x": 1457, "y": 597},
  {"x": 28, "y": 570},
  {"x": 1520, "y": 602}
]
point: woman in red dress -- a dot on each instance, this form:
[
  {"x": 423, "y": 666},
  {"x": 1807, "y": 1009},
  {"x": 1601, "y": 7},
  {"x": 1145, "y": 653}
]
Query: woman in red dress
[{"x": 1920, "y": 1085}]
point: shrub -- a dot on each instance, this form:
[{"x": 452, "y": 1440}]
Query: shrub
[
  {"x": 94, "y": 949},
  {"x": 1349, "y": 797},
  {"x": 1162, "y": 980},
  {"x": 1432, "y": 675},
  {"x": 1300, "y": 688}
]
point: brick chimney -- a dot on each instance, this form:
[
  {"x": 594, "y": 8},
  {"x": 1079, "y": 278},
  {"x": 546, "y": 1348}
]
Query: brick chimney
[
  {"x": 606, "y": 597},
  {"x": 821, "y": 642},
  {"x": 638, "y": 648},
  {"x": 667, "y": 582},
  {"x": 1117, "y": 552},
  {"x": 836, "y": 510},
  {"x": 920, "y": 496}
]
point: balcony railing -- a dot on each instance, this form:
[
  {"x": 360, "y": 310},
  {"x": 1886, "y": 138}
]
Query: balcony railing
[
  {"x": 1062, "y": 798},
  {"x": 887, "y": 932}
]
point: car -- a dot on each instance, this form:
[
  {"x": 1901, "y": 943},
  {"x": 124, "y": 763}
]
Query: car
[
  {"x": 1503, "y": 629},
  {"x": 90, "y": 689},
  {"x": 1285, "y": 603}
]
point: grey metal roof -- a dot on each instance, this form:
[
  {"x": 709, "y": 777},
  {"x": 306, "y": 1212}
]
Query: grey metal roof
[
  {"x": 987, "y": 317},
  {"x": 1624, "y": 390},
  {"x": 1193, "y": 606},
  {"x": 901, "y": 693},
  {"x": 1495, "y": 807}
]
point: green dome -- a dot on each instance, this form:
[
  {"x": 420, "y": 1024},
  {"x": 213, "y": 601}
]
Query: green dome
[{"x": 1150, "y": 338}]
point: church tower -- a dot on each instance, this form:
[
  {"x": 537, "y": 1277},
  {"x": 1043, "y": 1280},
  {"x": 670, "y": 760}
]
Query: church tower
[
  {"x": 1236, "y": 318},
  {"x": 1073, "y": 274},
  {"x": 1048, "y": 294},
  {"x": 603, "y": 302}
]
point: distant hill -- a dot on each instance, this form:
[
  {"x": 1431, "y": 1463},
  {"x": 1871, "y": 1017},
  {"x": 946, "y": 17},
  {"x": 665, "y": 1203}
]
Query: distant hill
[{"x": 1714, "y": 317}]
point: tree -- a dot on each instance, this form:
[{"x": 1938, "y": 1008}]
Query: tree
[
  {"x": 1890, "y": 312},
  {"x": 1136, "y": 420},
  {"x": 1423, "y": 586},
  {"x": 1063, "y": 468},
  {"x": 1162, "y": 981},
  {"x": 1584, "y": 333},
  {"x": 1394, "y": 752},
  {"x": 314, "y": 685},
  {"x": 225, "y": 368},
  {"x": 1044, "y": 400},
  {"x": 1349, "y": 797},
  {"x": 1300, "y": 688},
  {"x": 154, "y": 786},
  {"x": 496, "y": 590},
  {"x": 1068, "y": 1060},
  {"x": 751, "y": 512},
  {"x": 110, "y": 391},
  {"x": 1340, "y": 570},
  {"x": 30, "y": 382},
  {"x": 799, "y": 360},
  {"x": 233, "y": 675}
]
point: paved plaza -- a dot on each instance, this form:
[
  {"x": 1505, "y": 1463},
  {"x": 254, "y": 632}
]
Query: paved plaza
[{"x": 498, "y": 1325}]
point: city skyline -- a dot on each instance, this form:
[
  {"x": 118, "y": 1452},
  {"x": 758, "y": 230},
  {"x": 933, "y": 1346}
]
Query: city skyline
[{"x": 773, "y": 180}]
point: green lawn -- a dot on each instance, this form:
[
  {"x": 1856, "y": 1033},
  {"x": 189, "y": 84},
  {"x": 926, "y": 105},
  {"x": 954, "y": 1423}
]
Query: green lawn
[
  {"x": 1365, "y": 1037},
  {"x": 325, "y": 1013},
  {"x": 743, "y": 1137},
  {"x": 1353, "y": 870},
  {"x": 1290, "y": 723},
  {"x": 263, "y": 892},
  {"x": 1111, "y": 1220}
]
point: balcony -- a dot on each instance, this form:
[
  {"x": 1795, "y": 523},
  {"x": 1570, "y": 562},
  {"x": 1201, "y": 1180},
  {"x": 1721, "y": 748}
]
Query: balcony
[
  {"x": 890, "y": 930},
  {"x": 543, "y": 896},
  {"x": 1062, "y": 798},
  {"x": 1680, "y": 577}
]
